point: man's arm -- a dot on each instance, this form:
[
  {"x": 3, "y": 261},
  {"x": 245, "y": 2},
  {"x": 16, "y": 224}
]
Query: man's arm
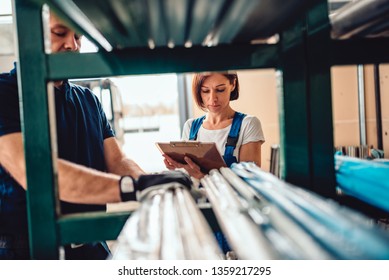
[
  {"x": 77, "y": 183},
  {"x": 117, "y": 162},
  {"x": 12, "y": 157}
]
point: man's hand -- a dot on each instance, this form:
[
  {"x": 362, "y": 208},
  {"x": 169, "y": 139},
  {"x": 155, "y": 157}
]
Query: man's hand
[{"x": 173, "y": 176}]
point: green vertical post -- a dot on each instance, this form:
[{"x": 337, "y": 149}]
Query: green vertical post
[
  {"x": 294, "y": 116},
  {"x": 305, "y": 99},
  {"x": 320, "y": 100},
  {"x": 31, "y": 71}
]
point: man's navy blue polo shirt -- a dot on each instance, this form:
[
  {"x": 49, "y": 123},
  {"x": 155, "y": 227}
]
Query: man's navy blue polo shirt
[{"x": 82, "y": 127}]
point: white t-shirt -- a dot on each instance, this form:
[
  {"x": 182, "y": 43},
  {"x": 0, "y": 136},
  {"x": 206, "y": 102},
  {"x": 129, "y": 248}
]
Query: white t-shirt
[{"x": 250, "y": 131}]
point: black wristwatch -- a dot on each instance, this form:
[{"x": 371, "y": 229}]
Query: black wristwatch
[{"x": 127, "y": 188}]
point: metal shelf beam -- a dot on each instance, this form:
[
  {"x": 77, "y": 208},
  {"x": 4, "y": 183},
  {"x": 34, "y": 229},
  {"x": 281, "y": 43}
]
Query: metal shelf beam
[
  {"x": 160, "y": 60},
  {"x": 81, "y": 228}
]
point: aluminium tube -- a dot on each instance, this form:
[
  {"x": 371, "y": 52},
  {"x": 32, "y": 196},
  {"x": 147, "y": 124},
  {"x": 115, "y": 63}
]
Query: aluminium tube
[
  {"x": 361, "y": 105},
  {"x": 172, "y": 242},
  {"x": 198, "y": 240},
  {"x": 242, "y": 233},
  {"x": 140, "y": 236},
  {"x": 167, "y": 225},
  {"x": 357, "y": 16}
]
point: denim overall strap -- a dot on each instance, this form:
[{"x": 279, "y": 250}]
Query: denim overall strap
[
  {"x": 232, "y": 139},
  {"x": 194, "y": 129}
]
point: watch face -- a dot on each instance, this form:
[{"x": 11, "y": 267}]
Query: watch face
[{"x": 127, "y": 184}]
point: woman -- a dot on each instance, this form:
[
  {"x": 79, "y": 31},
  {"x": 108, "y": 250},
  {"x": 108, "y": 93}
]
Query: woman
[{"x": 237, "y": 136}]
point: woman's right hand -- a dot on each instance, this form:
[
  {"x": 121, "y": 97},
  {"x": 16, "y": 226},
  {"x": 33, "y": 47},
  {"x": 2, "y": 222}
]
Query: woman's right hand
[{"x": 192, "y": 168}]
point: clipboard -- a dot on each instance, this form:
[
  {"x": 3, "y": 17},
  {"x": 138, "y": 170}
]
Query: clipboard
[{"x": 204, "y": 154}]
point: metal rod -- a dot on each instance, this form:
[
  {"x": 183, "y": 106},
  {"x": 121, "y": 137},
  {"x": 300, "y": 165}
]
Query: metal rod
[
  {"x": 242, "y": 233},
  {"x": 361, "y": 105},
  {"x": 167, "y": 225},
  {"x": 378, "y": 113},
  {"x": 140, "y": 236},
  {"x": 355, "y": 17},
  {"x": 194, "y": 229},
  {"x": 171, "y": 247}
]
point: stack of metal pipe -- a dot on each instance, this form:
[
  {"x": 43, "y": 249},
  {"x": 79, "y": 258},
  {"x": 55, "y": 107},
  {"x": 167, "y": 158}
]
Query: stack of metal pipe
[
  {"x": 261, "y": 216},
  {"x": 363, "y": 18},
  {"x": 167, "y": 226},
  {"x": 264, "y": 217},
  {"x": 362, "y": 151},
  {"x": 254, "y": 228}
]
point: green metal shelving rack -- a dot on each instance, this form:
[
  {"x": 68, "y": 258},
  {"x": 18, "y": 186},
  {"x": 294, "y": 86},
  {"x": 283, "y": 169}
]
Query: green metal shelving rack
[{"x": 303, "y": 58}]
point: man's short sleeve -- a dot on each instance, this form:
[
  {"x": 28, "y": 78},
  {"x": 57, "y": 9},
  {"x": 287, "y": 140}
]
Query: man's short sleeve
[
  {"x": 9, "y": 106},
  {"x": 106, "y": 126}
]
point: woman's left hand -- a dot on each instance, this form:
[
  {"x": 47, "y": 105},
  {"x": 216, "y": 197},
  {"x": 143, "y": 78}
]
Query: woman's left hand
[{"x": 193, "y": 169}]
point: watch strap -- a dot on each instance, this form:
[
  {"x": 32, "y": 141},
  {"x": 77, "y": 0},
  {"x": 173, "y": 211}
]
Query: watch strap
[{"x": 127, "y": 188}]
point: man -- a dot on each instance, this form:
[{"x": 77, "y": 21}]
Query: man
[{"x": 90, "y": 164}]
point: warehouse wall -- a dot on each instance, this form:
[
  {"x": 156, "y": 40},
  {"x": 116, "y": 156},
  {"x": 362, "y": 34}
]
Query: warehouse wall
[{"x": 345, "y": 106}]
